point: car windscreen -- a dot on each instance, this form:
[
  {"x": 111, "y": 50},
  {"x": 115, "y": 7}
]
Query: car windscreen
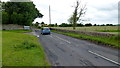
[{"x": 46, "y": 29}]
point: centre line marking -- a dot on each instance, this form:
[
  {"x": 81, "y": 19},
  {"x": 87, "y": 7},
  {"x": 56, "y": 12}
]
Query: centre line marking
[
  {"x": 63, "y": 39},
  {"x": 104, "y": 57}
]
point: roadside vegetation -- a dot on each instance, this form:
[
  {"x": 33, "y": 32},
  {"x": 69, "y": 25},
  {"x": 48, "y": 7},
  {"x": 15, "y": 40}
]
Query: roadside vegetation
[
  {"x": 21, "y": 49},
  {"x": 0, "y": 48},
  {"x": 19, "y": 31},
  {"x": 111, "y": 29},
  {"x": 111, "y": 41}
]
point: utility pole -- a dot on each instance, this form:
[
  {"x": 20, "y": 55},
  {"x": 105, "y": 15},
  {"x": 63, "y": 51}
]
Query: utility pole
[{"x": 49, "y": 17}]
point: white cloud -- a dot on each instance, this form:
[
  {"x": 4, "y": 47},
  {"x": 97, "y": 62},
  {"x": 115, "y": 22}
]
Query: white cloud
[{"x": 98, "y": 11}]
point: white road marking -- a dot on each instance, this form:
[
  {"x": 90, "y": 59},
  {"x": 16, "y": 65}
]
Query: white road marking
[
  {"x": 104, "y": 57},
  {"x": 63, "y": 39},
  {"x": 52, "y": 37}
]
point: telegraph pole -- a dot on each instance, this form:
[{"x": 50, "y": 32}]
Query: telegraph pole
[{"x": 49, "y": 17}]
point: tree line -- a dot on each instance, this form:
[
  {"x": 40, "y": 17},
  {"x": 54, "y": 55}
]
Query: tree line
[
  {"x": 80, "y": 25},
  {"x": 71, "y": 25},
  {"x": 21, "y": 13}
]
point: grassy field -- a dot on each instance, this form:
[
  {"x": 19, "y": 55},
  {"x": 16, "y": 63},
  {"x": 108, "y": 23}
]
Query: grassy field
[
  {"x": 112, "y": 41},
  {"x": 22, "y": 50},
  {"x": 0, "y": 48},
  {"x": 112, "y": 29},
  {"x": 19, "y": 31}
]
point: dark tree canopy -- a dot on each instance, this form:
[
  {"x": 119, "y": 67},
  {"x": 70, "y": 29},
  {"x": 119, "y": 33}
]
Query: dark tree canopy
[
  {"x": 21, "y": 13},
  {"x": 42, "y": 23},
  {"x": 88, "y": 24}
]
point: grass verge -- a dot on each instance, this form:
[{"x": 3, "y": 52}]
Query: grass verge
[
  {"x": 110, "y": 31},
  {"x": 19, "y": 31},
  {"x": 22, "y": 50},
  {"x": 111, "y": 41},
  {"x": 0, "y": 48}
]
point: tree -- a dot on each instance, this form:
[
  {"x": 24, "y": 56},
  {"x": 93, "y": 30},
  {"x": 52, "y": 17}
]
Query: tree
[
  {"x": 21, "y": 13},
  {"x": 109, "y": 24},
  {"x": 88, "y": 24},
  {"x": 102, "y": 25},
  {"x": 70, "y": 20},
  {"x": 79, "y": 11},
  {"x": 5, "y": 17},
  {"x": 64, "y": 25},
  {"x": 56, "y": 25},
  {"x": 42, "y": 24},
  {"x": 80, "y": 25},
  {"x": 37, "y": 24},
  {"x": 94, "y": 25},
  {"x": 52, "y": 25}
]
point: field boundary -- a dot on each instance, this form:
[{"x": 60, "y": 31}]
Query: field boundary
[{"x": 91, "y": 33}]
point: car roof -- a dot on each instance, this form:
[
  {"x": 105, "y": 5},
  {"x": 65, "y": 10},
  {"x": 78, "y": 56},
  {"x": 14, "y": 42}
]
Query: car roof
[{"x": 45, "y": 27}]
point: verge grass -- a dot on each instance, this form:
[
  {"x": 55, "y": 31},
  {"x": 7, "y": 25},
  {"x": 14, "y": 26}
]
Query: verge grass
[
  {"x": 19, "y": 31},
  {"x": 22, "y": 50},
  {"x": 0, "y": 48},
  {"x": 111, "y": 41}
]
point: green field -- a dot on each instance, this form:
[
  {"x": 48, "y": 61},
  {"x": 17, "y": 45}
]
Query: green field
[
  {"x": 19, "y": 31},
  {"x": 112, "y": 29},
  {"x": 111, "y": 41},
  {"x": 22, "y": 50},
  {"x": 0, "y": 48}
]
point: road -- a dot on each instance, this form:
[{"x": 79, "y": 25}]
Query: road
[{"x": 63, "y": 50}]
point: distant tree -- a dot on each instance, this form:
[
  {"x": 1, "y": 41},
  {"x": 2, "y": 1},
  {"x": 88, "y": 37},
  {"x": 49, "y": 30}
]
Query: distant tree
[
  {"x": 98, "y": 25},
  {"x": 109, "y": 24},
  {"x": 69, "y": 25},
  {"x": 52, "y": 25},
  {"x": 94, "y": 25},
  {"x": 45, "y": 25},
  {"x": 37, "y": 24},
  {"x": 56, "y": 25},
  {"x": 79, "y": 11},
  {"x": 80, "y": 25},
  {"x": 88, "y": 24},
  {"x": 64, "y": 25},
  {"x": 5, "y": 17},
  {"x": 42, "y": 24}
]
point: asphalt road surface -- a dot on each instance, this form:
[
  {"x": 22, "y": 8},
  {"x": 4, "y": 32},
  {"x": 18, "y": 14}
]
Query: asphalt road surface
[{"x": 63, "y": 50}]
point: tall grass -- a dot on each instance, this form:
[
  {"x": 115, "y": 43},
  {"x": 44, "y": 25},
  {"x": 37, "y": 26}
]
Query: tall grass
[
  {"x": 112, "y": 41},
  {"x": 94, "y": 28},
  {"x": 0, "y": 48}
]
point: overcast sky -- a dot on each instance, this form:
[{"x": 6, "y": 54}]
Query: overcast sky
[{"x": 98, "y": 11}]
